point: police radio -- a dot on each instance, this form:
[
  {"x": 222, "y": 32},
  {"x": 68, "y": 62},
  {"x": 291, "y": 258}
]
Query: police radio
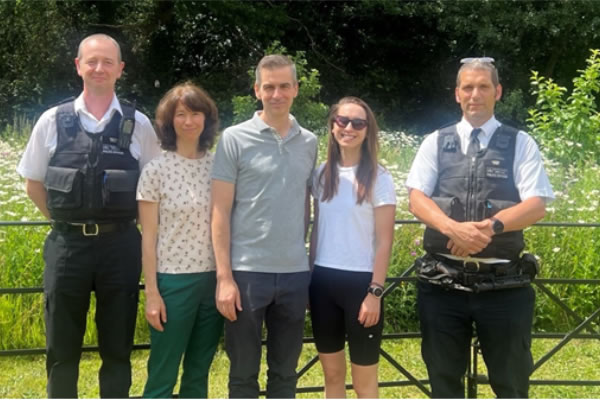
[{"x": 126, "y": 126}]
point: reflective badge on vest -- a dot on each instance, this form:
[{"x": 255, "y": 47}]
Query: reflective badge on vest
[
  {"x": 494, "y": 169},
  {"x": 67, "y": 120},
  {"x": 450, "y": 144},
  {"x": 111, "y": 149}
]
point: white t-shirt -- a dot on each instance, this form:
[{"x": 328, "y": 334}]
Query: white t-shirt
[
  {"x": 182, "y": 187},
  {"x": 346, "y": 230},
  {"x": 42, "y": 143}
]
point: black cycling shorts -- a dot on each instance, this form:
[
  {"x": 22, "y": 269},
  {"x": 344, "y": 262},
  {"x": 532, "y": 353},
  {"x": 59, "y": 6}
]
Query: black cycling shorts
[{"x": 335, "y": 300}]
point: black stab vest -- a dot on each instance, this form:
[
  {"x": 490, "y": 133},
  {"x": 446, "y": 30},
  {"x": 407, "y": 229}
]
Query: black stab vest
[
  {"x": 475, "y": 189},
  {"x": 90, "y": 178}
]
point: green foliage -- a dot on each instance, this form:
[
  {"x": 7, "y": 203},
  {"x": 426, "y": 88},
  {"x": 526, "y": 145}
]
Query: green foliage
[
  {"x": 309, "y": 112},
  {"x": 406, "y": 75},
  {"x": 401, "y": 303},
  {"x": 566, "y": 252},
  {"x": 512, "y": 107},
  {"x": 243, "y": 108},
  {"x": 568, "y": 129},
  {"x": 37, "y": 48}
]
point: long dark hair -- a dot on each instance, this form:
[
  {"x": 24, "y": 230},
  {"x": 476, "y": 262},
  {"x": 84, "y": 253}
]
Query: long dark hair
[{"x": 367, "y": 167}]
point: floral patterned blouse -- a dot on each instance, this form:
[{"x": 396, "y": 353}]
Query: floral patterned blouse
[{"x": 181, "y": 186}]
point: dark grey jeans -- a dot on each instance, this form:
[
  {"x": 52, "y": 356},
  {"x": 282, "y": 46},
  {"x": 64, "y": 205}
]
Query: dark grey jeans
[{"x": 280, "y": 301}]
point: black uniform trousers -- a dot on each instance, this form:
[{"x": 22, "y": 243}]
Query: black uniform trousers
[
  {"x": 110, "y": 265},
  {"x": 503, "y": 321}
]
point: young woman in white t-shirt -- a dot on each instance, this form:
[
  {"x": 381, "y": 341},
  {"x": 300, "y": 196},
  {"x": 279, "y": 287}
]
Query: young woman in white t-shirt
[
  {"x": 177, "y": 256},
  {"x": 351, "y": 242}
]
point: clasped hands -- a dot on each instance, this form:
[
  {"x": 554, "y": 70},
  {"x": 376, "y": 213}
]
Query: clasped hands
[{"x": 467, "y": 238}]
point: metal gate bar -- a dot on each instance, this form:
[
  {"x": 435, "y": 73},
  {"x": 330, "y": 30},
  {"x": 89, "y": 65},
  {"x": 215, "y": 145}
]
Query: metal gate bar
[{"x": 472, "y": 378}]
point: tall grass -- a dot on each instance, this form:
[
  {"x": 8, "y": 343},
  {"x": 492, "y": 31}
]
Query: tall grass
[{"x": 563, "y": 252}]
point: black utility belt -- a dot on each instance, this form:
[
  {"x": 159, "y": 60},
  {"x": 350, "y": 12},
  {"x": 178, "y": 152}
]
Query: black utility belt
[
  {"x": 475, "y": 276},
  {"x": 473, "y": 266},
  {"x": 91, "y": 228}
]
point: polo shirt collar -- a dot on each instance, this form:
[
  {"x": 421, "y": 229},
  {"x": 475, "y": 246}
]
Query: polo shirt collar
[{"x": 262, "y": 126}]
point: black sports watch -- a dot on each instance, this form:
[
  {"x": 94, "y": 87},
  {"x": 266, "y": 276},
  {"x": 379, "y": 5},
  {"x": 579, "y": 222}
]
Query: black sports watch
[
  {"x": 497, "y": 226},
  {"x": 375, "y": 291}
]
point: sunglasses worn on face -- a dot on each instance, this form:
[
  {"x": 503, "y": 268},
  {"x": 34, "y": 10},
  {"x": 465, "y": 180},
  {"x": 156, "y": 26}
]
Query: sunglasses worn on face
[
  {"x": 357, "y": 123},
  {"x": 470, "y": 60}
]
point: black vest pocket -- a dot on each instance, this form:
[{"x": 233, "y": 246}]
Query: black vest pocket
[
  {"x": 64, "y": 188},
  {"x": 118, "y": 189},
  {"x": 451, "y": 206},
  {"x": 493, "y": 206}
]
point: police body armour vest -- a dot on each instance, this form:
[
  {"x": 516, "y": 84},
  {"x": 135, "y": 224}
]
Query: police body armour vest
[
  {"x": 473, "y": 189},
  {"x": 90, "y": 178}
]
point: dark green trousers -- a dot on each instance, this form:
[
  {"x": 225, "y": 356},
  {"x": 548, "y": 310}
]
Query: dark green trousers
[{"x": 192, "y": 332}]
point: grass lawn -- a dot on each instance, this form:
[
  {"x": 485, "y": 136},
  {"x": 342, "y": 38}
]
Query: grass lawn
[{"x": 24, "y": 376}]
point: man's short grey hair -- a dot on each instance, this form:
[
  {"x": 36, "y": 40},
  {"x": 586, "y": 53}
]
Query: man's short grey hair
[
  {"x": 273, "y": 61},
  {"x": 100, "y": 36},
  {"x": 480, "y": 65}
]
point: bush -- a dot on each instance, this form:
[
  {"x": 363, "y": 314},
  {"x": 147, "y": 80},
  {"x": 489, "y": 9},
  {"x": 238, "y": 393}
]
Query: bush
[
  {"x": 565, "y": 252},
  {"x": 512, "y": 107},
  {"x": 568, "y": 130}
]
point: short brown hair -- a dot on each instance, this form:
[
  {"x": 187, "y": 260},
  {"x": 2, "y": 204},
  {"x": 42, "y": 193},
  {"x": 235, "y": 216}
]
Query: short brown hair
[
  {"x": 194, "y": 98},
  {"x": 273, "y": 61},
  {"x": 480, "y": 65}
]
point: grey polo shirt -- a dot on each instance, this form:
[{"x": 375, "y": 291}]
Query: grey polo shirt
[{"x": 271, "y": 177}]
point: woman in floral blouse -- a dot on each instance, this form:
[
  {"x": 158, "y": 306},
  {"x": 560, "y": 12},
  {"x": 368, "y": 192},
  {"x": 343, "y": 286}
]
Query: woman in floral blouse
[{"x": 179, "y": 269}]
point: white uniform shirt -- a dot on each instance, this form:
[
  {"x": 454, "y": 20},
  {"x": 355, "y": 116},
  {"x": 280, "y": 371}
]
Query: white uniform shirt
[
  {"x": 528, "y": 168},
  {"x": 42, "y": 143},
  {"x": 346, "y": 230}
]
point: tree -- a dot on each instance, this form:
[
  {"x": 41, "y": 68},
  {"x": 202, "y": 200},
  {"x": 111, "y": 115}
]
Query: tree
[
  {"x": 37, "y": 48},
  {"x": 399, "y": 56},
  {"x": 306, "y": 108}
]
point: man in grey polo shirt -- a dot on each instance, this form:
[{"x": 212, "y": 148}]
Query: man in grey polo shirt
[{"x": 261, "y": 174}]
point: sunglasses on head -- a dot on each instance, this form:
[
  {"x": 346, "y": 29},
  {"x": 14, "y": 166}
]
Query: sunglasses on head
[
  {"x": 470, "y": 60},
  {"x": 357, "y": 123}
]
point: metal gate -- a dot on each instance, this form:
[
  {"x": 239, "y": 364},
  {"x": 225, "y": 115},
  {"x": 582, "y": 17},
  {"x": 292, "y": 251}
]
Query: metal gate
[{"x": 582, "y": 329}]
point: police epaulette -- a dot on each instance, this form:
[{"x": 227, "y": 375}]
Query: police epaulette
[
  {"x": 63, "y": 101},
  {"x": 127, "y": 103}
]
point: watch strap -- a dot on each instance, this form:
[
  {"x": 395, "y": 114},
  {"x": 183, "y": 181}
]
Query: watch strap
[{"x": 375, "y": 290}]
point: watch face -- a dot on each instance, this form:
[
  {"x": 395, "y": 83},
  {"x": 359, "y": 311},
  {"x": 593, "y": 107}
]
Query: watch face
[
  {"x": 498, "y": 226},
  {"x": 376, "y": 291}
]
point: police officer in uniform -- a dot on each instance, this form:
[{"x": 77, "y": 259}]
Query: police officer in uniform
[
  {"x": 81, "y": 167},
  {"x": 476, "y": 185}
]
